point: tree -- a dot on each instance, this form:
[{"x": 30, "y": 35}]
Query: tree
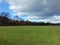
[{"x": 4, "y": 18}]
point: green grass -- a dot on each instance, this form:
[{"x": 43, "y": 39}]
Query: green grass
[{"x": 30, "y": 35}]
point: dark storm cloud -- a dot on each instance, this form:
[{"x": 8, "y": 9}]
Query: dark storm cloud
[{"x": 39, "y": 8}]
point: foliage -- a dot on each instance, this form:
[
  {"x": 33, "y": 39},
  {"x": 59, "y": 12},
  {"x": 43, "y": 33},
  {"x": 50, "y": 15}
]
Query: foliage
[{"x": 5, "y": 21}]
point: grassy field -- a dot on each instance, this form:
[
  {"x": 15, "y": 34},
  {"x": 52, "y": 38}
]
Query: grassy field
[{"x": 30, "y": 35}]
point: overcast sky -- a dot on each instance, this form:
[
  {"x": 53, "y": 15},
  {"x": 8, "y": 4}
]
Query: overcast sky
[{"x": 33, "y": 10}]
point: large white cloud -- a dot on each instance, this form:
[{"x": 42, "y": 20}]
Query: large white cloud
[
  {"x": 37, "y": 9},
  {"x": 52, "y": 19}
]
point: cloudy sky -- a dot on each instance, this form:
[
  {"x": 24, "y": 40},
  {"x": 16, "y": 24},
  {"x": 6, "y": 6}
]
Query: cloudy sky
[{"x": 33, "y": 10}]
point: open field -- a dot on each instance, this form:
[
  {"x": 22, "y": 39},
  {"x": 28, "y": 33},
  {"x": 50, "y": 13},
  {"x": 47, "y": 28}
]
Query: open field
[{"x": 30, "y": 35}]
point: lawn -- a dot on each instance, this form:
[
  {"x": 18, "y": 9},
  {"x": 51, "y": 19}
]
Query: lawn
[{"x": 30, "y": 35}]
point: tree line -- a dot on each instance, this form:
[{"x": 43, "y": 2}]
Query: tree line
[{"x": 6, "y": 21}]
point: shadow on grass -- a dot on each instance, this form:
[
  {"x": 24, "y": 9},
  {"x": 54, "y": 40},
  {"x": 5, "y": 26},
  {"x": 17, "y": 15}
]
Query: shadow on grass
[{"x": 4, "y": 42}]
